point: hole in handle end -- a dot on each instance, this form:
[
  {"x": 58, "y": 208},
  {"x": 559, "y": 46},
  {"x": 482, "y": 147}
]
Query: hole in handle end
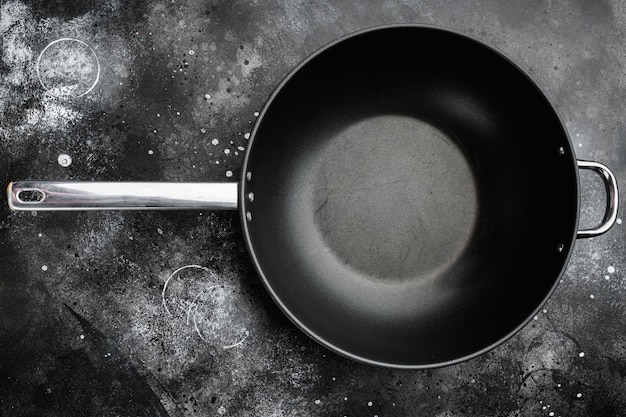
[{"x": 30, "y": 196}]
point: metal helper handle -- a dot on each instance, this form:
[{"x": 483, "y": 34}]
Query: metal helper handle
[
  {"x": 612, "y": 199},
  {"x": 86, "y": 195}
]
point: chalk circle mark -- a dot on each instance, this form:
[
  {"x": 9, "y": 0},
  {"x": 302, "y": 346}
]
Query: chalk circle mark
[
  {"x": 220, "y": 314},
  {"x": 68, "y": 68}
]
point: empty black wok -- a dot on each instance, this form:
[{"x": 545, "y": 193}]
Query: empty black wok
[{"x": 409, "y": 197}]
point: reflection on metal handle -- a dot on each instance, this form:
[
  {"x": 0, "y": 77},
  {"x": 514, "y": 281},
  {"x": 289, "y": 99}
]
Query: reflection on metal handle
[
  {"x": 85, "y": 195},
  {"x": 612, "y": 199}
]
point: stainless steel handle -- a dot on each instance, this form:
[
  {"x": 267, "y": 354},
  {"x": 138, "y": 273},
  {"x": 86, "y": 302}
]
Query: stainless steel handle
[
  {"x": 85, "y": 195},
  {"x": 612, "y": 199}
]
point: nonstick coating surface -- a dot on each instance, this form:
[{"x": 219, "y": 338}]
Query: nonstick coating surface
[{"x": 409, "y": 198}]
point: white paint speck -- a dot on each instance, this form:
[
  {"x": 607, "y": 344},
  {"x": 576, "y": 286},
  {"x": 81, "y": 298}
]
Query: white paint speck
[
  {"x": 318, "y": 402},
  {"x": 256, "y": 114},
  {"x": 44, "y": 268},
  {"x": 221, "y": 410},
  {"x": 64, "y": 160},
  {"x": 618, "y": 221},
  {"x": 150, "y": 152},
  {"x": 581, "y": 355},
  {"x": 159, "y": 231},
  {"x": 551, "y": 413},
  {"x": 592, "y": 296},
  {"x": 40, "y": 235},
  {"x": 192, "y": 52},
  {"x": 369, "y": 403},
  {"x": 579, "y": 395},
  {"x": 82, "y": 337},
  {"x": 247, "y": 136},
  {"x": 207, "y": 96},
  {"x": 229, "y": 173},
  {"x": 203, "y": 130},
  {"x": 215, "y": 142},
  {"x": 606, "y": 277},
  {"x": 610, "y": 269},
  {"x": 227, "y": 151}
]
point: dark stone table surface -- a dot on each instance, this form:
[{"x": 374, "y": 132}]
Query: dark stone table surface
[{"x": 161, "y": 313}]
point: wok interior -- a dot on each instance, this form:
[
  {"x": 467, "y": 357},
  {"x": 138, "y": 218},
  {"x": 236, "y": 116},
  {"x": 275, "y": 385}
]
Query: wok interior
[{"x": 415, "y": 197}]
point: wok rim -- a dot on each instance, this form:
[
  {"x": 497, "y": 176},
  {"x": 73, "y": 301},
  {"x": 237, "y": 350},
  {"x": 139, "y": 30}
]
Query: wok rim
[{"x": 267, "y": 281}]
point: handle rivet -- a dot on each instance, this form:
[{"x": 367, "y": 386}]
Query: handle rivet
[{"x": 560, "y": 247}]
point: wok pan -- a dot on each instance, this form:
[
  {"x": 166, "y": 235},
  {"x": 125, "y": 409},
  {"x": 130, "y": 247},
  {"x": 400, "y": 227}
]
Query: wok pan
[{"x": 409, "y": 197}]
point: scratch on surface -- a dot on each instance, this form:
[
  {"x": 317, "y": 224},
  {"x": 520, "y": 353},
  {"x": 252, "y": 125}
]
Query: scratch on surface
[
  {"x": 320, "y": 207},
  {"x": 195, "y": 326},
  {"x": 191, "y": 307}
]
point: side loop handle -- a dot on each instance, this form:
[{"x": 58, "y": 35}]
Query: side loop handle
[{"x": 612, "y": 200}]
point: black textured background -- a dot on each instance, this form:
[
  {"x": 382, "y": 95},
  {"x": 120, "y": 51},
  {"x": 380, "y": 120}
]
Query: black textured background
[{"x": 88, "y": 326}]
